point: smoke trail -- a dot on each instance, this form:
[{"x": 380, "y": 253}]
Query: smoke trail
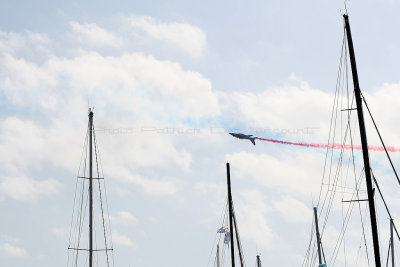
[{"x": 333, "y": 146}]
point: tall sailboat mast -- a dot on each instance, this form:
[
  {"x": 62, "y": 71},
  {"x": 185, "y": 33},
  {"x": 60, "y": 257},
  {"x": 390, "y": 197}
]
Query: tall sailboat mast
[
  {"x": 228, "y": 177},
  {"x": 90, "y": 188},
  {"x": 367, "y": 168},
  {"x": 218, "y": 262},
  {"x": 238, "y": 240},
  {"x": 318, "y": 236},
  {"x": 258, "y": 261},
  {"x": 84, "y": 207},
  {"x": 391, "y": 240}
]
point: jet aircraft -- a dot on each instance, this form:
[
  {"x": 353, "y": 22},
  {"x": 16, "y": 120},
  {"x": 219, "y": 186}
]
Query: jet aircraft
[{"x": 245, "y": 136}]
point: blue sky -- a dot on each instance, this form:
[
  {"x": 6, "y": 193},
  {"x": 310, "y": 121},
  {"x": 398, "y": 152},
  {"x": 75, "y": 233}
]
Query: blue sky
[{"x": 167, "y": 81}]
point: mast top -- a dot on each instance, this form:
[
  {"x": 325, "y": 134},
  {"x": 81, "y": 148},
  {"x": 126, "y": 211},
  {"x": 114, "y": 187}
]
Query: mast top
[
  {"x": 90, "y": 112},
  {"x": 364, "y": 143}
]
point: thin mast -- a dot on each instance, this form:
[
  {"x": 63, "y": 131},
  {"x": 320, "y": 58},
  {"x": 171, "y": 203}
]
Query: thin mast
[
  {"x": 228, "y": 176},
  {"x": 367, "y": 168},
  {"x": 318, "y": 236},
  {"x": 238, "y": 241},
  {"x": 258, "y": 261},
  {"x": 218, "y": 264},
  {"x": 90, "y": 189},
  {"x": 391, "y": 240}
]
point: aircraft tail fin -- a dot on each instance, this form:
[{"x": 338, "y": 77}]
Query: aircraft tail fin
[{"x": 253, "y": 140}]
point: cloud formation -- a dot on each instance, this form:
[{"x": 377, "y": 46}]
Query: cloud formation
[
  {"x": 186, "y": 37},
  {"x": 13, "y": 251},
  {"x": 157, "y": 93},
  {"x": 92, "y": 34},
  {"x": 123, "y": 240},
  {"x": 137, "y": 97}
]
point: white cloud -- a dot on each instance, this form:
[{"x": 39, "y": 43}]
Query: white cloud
[
  {"x": 139, "y": 86},
  {"x": 291, "y": 106},
  {"x": 289, "y": 110},
  {"x": 252, "y": 213},
  {"x": 210, "y": 188},
  {"x": 293, "y": 210},
  {"x": 135, "y": 82},
  {"x": 41, "y": 144},
  {"x": 383, "y": 103},
  {"x": 24, "y": 44},
  {"x": 92, "y": 34},
  {"x": 145, "y": 150},
  {"x": 188, "y": 38},
  {"x": 280, "y": 171},
  {"x": 26, "y": 147},
  {"x": 151, "y": 186},
  {"x": 123, "y": 240},
  {"x": 133, "y": 90},
  {"x": 124, "y": 217},
  {"x": 215, "y": 194},
  {"x": 13, "y": 251},
  {"x": 121, "y": 192},
  {"x": 61, "y": 232},
  {"x": 44, "y": 143},
  {"x": 26, "y": 189},
  {"x": 158, "y": 187}
]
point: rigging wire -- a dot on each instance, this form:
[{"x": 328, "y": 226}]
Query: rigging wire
[
  {"x": 384, "y": 202},
  {"x": 81, "y": 217},
  {"x": 305, "y": 260},
  {"x": 81, "y": 205},
  {"x": 344, "y": 227},
  {"x": 359, "y": 251},
  {"x": 380, "y": 137},
  {"x": 332, "y": 135},
  {"x": 352, "y": 152},
  {"x": 325, "y": 201},
  {"x": 332, "y": 176},
  {"x": 354, "y": 170},
  {"x": 238, "y": 238},
  {"x": 331, "y": 120},
  {"x": 81, "y": 221},
  {"x": 78, "y": 225},
  {"x": 387, "y": 257},
  {"x": 76, "y": 187},
  {"x": 339, "y": 170},
  {"x": 107, "y": 208},
  {"x": 95, "y": 242},
  {"x": 222, "y": 222},
  {"x": 335, "y": 184},
  {"x": 101, "y": 200},
  {"x": 347, "y": 170},
  {"x": 339, "y": 84}
]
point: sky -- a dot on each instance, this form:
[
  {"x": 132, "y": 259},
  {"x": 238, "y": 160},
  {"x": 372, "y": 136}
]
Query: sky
[{"x": 168, "y": 80}]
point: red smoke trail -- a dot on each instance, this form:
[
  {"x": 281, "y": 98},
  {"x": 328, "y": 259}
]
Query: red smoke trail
[{"x": 334, "y": 146}]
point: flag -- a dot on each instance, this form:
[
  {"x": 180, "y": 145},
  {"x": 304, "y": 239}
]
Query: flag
[
  {"x": 227, "y": 238},
  {"x": 223, "y": 229}
]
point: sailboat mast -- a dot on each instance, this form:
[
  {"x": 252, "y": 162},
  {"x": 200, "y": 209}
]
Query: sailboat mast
[
  {"x": 228, "y": 177},
  {"x": 238, "y": 241},
  {"x": 367, "y": 168},
  {"x": 90, "y": 189},
  {"x": 391, "y": 240},
  {"x": 258, "y": 261},
  {"x": 218, "y": 263},
  {"x": 318, "y": 236}
]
